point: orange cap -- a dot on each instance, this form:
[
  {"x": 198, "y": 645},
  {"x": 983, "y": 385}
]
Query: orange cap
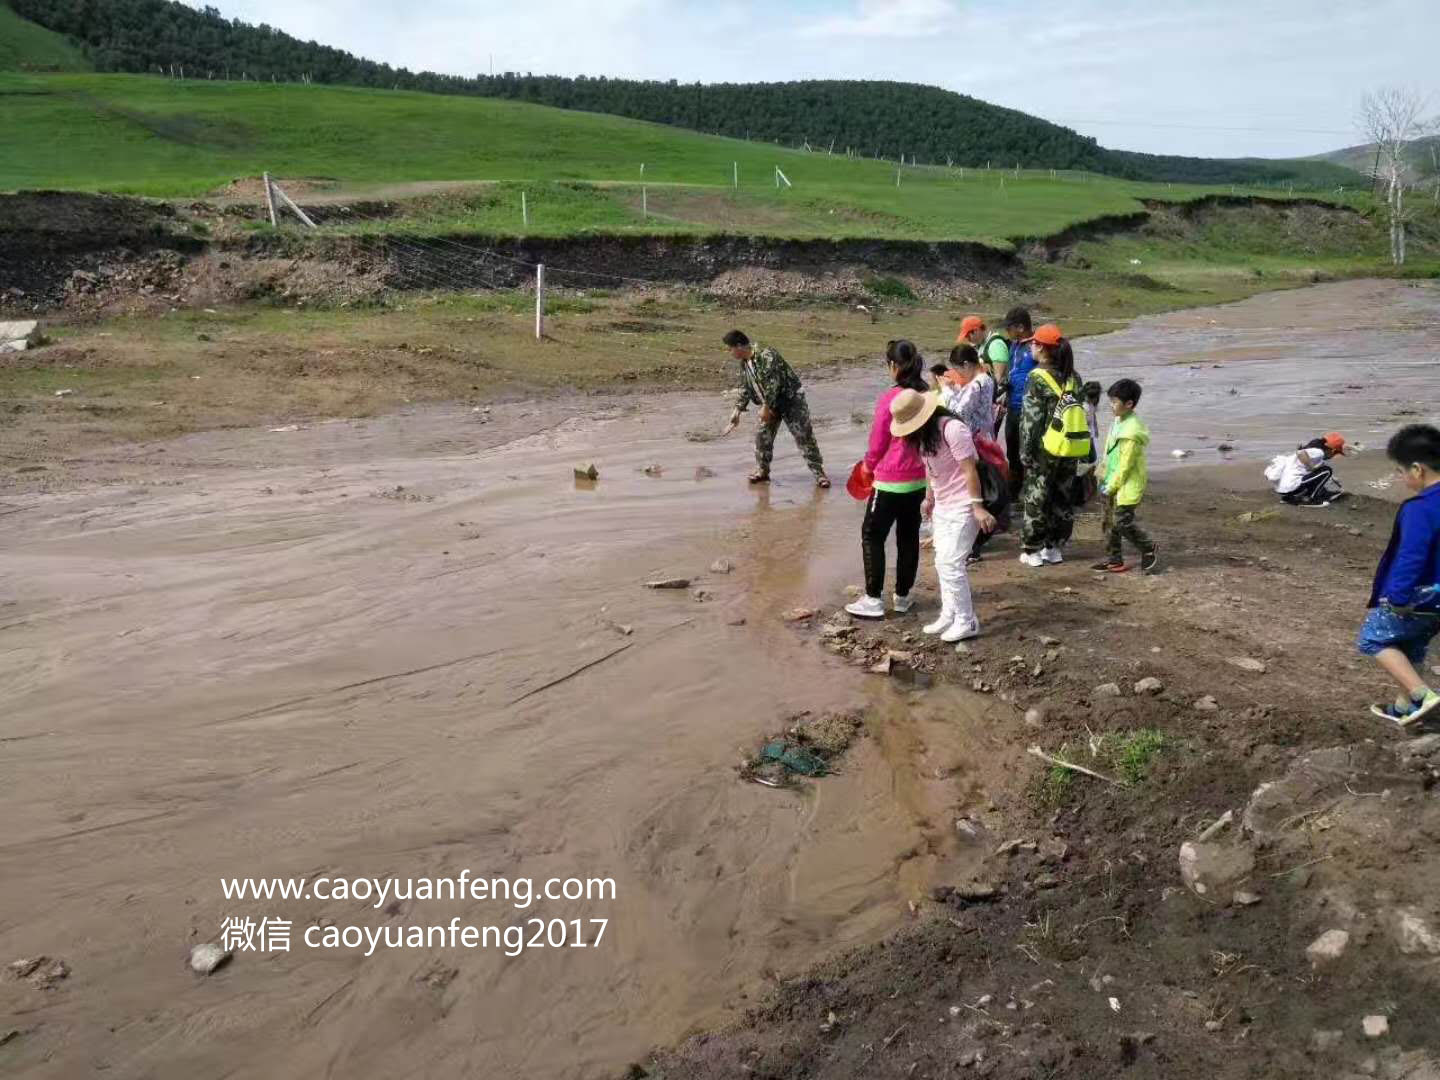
[
  {"x": 1336, "y": 442},
  {"x": 1048, "y": 335},
  {"x": 968, "y": 326}
]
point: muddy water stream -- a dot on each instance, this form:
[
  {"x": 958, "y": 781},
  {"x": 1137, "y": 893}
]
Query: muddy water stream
[{"x": 395, "y": 648}]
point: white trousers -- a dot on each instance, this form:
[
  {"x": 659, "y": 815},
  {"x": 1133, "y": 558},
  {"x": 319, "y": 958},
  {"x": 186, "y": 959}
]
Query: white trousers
[{"x": 955, "y": 533}]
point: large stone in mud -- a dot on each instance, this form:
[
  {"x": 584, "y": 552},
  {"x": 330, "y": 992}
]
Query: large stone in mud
[
  {"x": 1413, "y": 934},
  {"x": 1313, "y": 781},
  {"x": 1213, "y": 870},
  {"x": 15, "y": 336}
]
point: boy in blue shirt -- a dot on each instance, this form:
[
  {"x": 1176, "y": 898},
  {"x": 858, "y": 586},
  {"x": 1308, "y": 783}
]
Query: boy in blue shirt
[{"x": 1405, "y": 602}]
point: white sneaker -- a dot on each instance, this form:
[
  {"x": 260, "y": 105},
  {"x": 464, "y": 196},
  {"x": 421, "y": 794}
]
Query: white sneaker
[
  {"x": 901, "y": 604},
  {"x": 1052, "y": 555},
  {"x": 1031, "y": 558},
  {"x": 962, "y": 631},
  {"x": 940, "y": 625},
  {"x": 867, "y": 607}
]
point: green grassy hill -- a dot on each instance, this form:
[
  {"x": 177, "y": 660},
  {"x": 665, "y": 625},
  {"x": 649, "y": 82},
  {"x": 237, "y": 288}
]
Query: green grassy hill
[
  {"x": 1420, "y": 155},
  {"x": 165, "y": 137},
  {"x": 24, "y": 46},
  {"x": 878, "y": 118}
]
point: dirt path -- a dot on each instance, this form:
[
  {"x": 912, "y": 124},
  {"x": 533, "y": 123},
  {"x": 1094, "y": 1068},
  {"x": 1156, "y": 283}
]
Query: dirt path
[{"x": 331, "y": 651}]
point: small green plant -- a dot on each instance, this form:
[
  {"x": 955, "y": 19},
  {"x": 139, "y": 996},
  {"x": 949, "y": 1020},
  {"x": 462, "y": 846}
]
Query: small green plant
[
  {"x": 889, "y": 288},
  {"x": 1131, "y": 754}
]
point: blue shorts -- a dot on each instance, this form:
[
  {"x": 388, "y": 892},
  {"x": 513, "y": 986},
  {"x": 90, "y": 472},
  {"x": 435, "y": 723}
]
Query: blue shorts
[{"x": 1385, "y": 628}]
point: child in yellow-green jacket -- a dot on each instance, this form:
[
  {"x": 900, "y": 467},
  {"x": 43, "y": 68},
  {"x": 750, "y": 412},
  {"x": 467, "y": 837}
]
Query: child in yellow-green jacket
[{"x": 1123, "y": 475}]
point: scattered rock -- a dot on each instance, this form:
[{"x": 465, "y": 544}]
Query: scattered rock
[
  {"x": 625, "y": 628},
  {"x": 837, "y": 626},
  {"x": 1413, "y": 935},
  {"x": 41, "y": 972},
  {"x": 980, "y": 686},
  {"x": 1035, "y": 718},
  {"x": 16, "y": 336},
  {"x": 738, "y": 620},
  {"x": 703, "y": 472},
  {"x": 1329, "y": 946},
  {"x": 202, "y": 337},
  {"x": 721, "y": 566},
  {"x": 669, "y": 583},
  {"x": 702, "y": 595},
  {"x": 1212, "y": 870},
  {"x": 1181, "y": 453},
  {"x": 1245, "y": 898},
  {"x": 1206, "y": 704},
  {"x": 977, "y": 892},
  {"x": 64, "y": 393},
  {"x": 204, "y": 959},
  {"x": 587, "y": 472},
  {"x": 1246, "y": 663},
  {"x": 649, "y": 470},
  {"x": 1048, "y": 642},
  {"x": 854, "y": 592},
  {"x": 799, "y": 614},
  {"x": 881, "y": 667},
  {"x": 1375, "y": 1027},
  {"x": 1149, "y": 685},
  {"x": 1108, "y": 689},
  {"x": 1224, "y": 447}
]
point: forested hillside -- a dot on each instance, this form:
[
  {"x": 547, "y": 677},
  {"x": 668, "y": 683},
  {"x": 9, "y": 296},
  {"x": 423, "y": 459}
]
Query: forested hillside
[{"x": 883, "y": 119}]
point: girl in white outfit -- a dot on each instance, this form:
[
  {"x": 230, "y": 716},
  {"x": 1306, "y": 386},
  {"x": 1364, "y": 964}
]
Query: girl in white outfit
[{"x": 952, "y": 501}]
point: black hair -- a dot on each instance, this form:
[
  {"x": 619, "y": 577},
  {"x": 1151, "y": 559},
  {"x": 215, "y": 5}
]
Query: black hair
[
  {"x": 1319, "y": 444},
  {"x": 736, "y": 339},
  {"x": 1018, "y": 316},
  {"x": 1126, "y": 390},
  {"x": 964, "y": 354},
  {"x": 938, "y": 369},
  {"x": 1415, "y": 444},
  {"x": 909, "y": 364},
  {"x": 1092, "y": 392},
  {"x": 1062, "y": 360},
  {"x": 926, "y": 438}
]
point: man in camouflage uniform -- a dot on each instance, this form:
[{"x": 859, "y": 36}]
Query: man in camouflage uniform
[{"x": 772, "y": 384}]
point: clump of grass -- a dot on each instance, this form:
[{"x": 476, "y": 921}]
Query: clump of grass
[
  {"x": 1131, "y": 754},
  {"x": 889, "y": 288}
]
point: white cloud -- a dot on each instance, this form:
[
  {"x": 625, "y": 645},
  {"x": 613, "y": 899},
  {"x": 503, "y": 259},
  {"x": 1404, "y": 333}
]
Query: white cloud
[{"x": 886, "y": 19}]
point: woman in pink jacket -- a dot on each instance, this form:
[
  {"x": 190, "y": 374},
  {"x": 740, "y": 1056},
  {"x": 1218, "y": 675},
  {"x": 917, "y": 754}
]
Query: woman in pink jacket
[{"x": 898, "y": 475}]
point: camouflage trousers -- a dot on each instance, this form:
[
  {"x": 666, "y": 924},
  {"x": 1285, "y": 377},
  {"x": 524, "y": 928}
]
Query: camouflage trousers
[
  {"x": 796, "y": 414},
  {"x": 1120, "y": 525},
  {"x": 1048, "y": 515}
]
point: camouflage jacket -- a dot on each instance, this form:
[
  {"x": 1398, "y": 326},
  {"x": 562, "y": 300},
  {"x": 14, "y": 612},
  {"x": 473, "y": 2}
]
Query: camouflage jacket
[
  {"x": 1036, "y": 411},
  {"x": 768, "y": 379}
]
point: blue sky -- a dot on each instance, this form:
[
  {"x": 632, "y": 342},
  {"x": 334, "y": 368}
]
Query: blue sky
[{"x": 1211, "y": 77}]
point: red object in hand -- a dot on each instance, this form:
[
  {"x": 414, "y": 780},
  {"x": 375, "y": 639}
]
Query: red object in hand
[{"x": 861, "y": 482}]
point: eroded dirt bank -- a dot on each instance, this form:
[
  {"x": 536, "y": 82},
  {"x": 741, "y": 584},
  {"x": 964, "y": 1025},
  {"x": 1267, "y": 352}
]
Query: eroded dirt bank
[
  {"x": 101, "y": 254},
  {"x": 399, "y": 647}
]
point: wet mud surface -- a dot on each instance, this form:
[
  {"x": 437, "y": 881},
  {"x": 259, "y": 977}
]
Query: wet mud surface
[{"x": 399, "y": 647}]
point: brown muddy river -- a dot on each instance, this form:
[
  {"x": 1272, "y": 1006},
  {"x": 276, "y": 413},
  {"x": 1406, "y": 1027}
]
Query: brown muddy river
[{"x": 391, "y": 648}]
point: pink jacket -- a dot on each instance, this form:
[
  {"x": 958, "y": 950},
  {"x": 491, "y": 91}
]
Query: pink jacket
[{"x": 892, "y": 460}]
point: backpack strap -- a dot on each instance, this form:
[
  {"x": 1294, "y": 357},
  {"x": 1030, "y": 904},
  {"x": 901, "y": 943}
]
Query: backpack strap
[{"x": 1049, "y": 380}]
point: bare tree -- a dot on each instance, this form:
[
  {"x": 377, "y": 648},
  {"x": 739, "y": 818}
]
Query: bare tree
[{"x": 1391, "y": 119}]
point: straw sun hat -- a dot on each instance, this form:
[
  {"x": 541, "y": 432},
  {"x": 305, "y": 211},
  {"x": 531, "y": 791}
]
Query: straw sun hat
[{"x": 909, "y": 410}]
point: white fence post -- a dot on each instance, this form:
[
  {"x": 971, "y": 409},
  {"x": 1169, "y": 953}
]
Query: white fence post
[
  {"x": 644, "y": 202},
  {"x": 291, "y": 204},
  {"x": 540, "y": 302},
  {"x": 524, "y": 210},
  {"x": 270, "y": 202},
  {"x": 735, "y": 166}
]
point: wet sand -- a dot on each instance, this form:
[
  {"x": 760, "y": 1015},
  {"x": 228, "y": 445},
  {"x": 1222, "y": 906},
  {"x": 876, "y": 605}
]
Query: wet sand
[{"x": 326, "y": 651}]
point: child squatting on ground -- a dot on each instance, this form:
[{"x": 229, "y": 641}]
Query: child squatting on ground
[
  {"x": 1123, "y": 476},
  {"x": 1404, "y": 603}
]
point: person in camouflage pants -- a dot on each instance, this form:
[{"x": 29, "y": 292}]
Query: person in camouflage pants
[
  {"x": 1047, "y": 513},
  {"x": 772, "y": 384}
]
